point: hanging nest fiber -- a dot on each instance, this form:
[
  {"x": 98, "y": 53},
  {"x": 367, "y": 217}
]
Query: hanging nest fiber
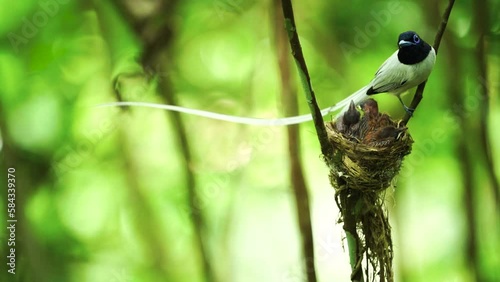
[{"x": 368, "y": 153}]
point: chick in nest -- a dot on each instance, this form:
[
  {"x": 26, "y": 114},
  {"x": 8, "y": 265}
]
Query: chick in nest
[
  {"x": 374, "y": 128},
  {"x": 377, "y": 129},
  {"x": 350, "y": 118}
]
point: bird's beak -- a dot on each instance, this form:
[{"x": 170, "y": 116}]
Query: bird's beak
[{"x": 404, "y": 43}]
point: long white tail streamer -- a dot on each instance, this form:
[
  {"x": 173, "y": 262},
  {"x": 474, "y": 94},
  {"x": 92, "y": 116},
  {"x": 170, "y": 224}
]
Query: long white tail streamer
[{"x": 356, "y": 98}]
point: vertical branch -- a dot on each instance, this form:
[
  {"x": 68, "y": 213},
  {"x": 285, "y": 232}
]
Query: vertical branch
[
  {"x": 289, "y": 100},
  {"x": 457, "y": 96},
  {"x": 183, "y": 143},
  {"x": 152, "y": 239},
  {"x": 482, "y": 25},
  {"x": 481, "y": 19},
  {"x": 437, "y": 41},
  {"x": 293, "y": 38},
  {"x": 349, "y": 200},
  {"x": 156, "y": 34},
  {"x": 469, "y": 199}
]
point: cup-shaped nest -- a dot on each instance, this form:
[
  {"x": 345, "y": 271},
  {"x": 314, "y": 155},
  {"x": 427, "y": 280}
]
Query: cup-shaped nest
[{"x": 368, "y": 149}]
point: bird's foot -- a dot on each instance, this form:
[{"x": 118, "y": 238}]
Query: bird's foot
[{"x": 409, "y": 110}]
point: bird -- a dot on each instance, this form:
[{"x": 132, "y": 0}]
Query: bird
[
  {"x": 406, "y": 68},
  {"x": 409, "y": 66},
  {"x": 384, "y": 135},
  {"x": 348, "y": 119}
]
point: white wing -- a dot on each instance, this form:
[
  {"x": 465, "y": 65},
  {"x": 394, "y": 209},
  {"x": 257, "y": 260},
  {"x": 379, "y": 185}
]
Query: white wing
[{"x": 392, "y": 76}]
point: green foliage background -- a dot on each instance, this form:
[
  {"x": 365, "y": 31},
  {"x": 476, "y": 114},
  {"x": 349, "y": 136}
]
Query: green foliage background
[{"x": 102, "y": 193}]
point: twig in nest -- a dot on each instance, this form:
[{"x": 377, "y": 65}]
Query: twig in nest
[
  {"x": 368, "y": 152},
  {"x": 293, "y": 37}
]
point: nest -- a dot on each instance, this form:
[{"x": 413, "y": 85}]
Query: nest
[
  {"x": 367, "y": 166},
  {"x": 368, "y": 153},
  {"x": 368, "y": 150}
]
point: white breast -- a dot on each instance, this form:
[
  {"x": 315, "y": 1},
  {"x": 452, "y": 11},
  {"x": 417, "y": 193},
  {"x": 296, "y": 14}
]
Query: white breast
[{"x": 396, "y": 78}]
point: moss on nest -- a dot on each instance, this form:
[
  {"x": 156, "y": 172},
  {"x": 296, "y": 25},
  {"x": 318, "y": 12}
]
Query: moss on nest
[
  {"x": 364, "y": 166},
  {"x": 368, "y": 153}
]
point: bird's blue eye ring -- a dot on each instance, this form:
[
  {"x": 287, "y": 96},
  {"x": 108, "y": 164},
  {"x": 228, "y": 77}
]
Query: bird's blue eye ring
[{"x": 416, "y": 39}]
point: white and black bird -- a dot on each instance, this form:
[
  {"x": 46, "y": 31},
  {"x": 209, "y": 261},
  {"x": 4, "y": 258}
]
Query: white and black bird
[{"x": 406, "y": 68}]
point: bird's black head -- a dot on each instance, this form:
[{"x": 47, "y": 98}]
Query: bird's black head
[{"x": 412, "y": 48}]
